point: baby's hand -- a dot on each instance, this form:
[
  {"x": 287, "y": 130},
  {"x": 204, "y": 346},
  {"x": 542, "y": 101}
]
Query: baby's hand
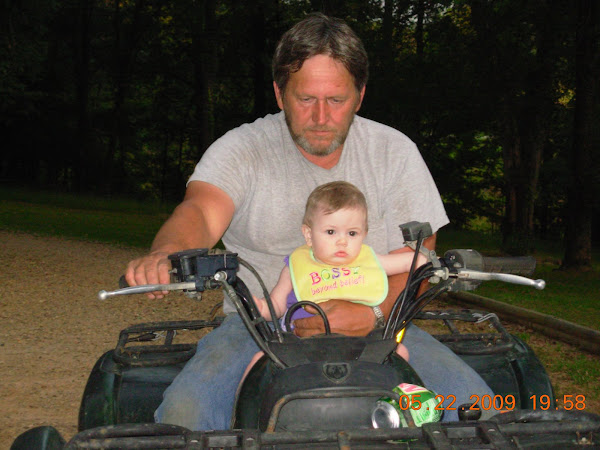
[{"x": 261, "y": 304}]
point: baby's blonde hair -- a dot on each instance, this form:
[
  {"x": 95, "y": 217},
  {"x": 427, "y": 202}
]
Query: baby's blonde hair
[{"x": 331, "y": 197}]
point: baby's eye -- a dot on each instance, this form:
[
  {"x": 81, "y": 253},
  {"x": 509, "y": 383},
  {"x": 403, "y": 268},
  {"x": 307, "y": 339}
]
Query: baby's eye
[
  {"x": 353, "y": 233},
  {"x": 330, "y": 232}
]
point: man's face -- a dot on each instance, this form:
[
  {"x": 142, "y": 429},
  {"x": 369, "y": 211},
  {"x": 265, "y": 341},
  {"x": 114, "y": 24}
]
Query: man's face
[{"x": 319, "y": 103}]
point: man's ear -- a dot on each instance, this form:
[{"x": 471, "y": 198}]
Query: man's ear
[
  {"x": 278, "y": 95},
  {"x": 307, "y": 233},
  {"x": 361, "y": 96}
]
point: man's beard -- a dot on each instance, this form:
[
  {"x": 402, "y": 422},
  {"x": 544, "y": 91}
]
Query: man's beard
[{"x": 337, "y": 141}]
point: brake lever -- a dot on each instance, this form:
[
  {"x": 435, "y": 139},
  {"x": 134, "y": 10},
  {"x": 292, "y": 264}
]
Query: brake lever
[
  {"x": 146, "y": 288},
  {"x": 505, "y": 277}
]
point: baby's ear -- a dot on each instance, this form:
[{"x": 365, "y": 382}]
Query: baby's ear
[{"x": 307, "y": 233}]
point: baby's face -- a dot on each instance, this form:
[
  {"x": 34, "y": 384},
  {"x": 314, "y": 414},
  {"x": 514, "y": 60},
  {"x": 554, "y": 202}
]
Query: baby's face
[{"x": 336, "y": 238}]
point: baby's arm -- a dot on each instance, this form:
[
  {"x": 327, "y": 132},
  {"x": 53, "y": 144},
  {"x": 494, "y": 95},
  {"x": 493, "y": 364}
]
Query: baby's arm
[
  {"x": 278, "y": 296},
  {"x": 395, "y": 263}
]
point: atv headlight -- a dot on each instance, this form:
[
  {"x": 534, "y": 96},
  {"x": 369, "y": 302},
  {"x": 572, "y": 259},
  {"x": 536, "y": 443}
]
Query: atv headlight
[{"x": 385, "y": 415}]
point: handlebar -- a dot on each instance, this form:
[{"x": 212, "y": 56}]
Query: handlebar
[
  {"x": 458, "y": 270},
  {"x": 516, "y": 265},
  {"x": 469, "y": 267}
]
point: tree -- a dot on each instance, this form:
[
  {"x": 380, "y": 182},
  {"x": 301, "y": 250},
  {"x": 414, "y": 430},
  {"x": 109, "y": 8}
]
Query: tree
[
  {"x": 522, "y": 42},
  {"x": 584, "y": 180}
]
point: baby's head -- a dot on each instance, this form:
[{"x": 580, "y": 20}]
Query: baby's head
[{"x": 335, "y": 222}]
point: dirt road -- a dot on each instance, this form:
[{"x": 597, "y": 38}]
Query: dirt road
[{"x": 53, "y": 328}]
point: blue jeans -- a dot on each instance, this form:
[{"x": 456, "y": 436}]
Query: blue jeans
[{"x": 201, "y": 397}]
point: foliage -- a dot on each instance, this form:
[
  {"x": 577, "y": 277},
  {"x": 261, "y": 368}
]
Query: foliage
[{"x": 122, "y": 98}]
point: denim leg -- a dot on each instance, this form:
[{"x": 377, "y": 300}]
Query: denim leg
[
  {"x": 201, "y": 396},
  {"x": 444, "y": 372}
]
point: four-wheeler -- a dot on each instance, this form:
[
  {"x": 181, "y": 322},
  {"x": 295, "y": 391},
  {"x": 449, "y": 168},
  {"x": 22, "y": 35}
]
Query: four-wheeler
[{"x": 327, "y": 391}]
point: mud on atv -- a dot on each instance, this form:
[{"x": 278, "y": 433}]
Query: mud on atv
[{"x": 332, "y": 381}]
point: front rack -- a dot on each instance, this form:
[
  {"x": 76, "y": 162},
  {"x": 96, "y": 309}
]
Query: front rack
[
  {"x": 499, "y": 341},
  {"x": 167, "y": 353},
  {"x": 152, "y": 355},
  {"x": 552, "y": 429}
]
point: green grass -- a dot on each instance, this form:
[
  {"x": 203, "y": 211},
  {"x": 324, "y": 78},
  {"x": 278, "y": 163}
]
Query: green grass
[
  {"x": 119, "y": 221},
  {"x": 83, "y": 201},
  {"x": 583, "y": 369}
]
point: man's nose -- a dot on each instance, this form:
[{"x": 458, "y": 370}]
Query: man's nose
[{"x": 320, "y": 112}]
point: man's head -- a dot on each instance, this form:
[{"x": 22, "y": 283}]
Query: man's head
[
  {"x": 320, "y": 70},
  {"x": 320, "y": 35},
  {"x": 335, "y": 222}
]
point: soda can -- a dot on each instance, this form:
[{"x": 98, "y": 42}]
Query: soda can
[{"x": 415, "y": 401}]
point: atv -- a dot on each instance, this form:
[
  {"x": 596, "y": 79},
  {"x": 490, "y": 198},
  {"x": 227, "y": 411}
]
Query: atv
[{"x": 345, "y": 389}]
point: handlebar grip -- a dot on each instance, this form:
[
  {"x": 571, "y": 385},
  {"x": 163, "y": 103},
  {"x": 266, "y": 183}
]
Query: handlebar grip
[
  {"x": 123, "y": 282},
  {"x": 516, "y": 265}
]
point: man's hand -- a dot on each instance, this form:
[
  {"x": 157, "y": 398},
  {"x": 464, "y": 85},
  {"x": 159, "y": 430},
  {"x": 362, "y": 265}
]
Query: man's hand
[
  {"x": 198, "y": 222},
  {"x": 150, "y": 269},
  {"x": 352, "y": 319}
]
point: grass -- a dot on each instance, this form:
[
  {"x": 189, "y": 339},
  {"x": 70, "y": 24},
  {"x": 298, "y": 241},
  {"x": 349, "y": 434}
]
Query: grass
[{"x": 114, "y": 221}]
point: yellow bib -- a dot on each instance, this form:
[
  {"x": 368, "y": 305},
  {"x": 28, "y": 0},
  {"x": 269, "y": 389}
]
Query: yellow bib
[{"x": 363, "y": 281}]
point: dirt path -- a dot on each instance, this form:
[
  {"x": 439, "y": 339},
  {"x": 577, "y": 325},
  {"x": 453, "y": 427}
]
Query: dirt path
[{"x": 53, "y": 328}]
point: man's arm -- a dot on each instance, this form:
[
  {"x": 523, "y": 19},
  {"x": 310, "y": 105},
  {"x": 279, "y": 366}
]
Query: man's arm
[
  {"x": 199, "y": 221},
  {"x": 354, "y": 319}
]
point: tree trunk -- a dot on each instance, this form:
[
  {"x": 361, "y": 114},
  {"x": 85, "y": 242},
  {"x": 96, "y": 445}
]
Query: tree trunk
[
  {"x": 578, "y": 237},
  {"x": 522, "y": 152},
  {"x": 259, "y": 40},
  {"x": 526, "y": 129},
  {"x": 205, "y": 60},
  {"x": 125, "y": 47},
  {"x": 82, "y": 59},
  {"x": 419, "y": 29}
]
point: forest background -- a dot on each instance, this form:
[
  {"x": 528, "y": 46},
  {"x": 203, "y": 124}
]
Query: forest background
[{"x": 121, "y": 98}]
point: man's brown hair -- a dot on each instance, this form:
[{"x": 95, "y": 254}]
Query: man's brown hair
[{"x": 319, "y": 34}]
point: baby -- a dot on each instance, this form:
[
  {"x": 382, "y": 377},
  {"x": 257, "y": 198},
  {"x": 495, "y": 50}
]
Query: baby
[{"x": 335, "y": 263}]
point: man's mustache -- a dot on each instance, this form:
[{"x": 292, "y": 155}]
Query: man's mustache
[{"x": 321, "y": 129}]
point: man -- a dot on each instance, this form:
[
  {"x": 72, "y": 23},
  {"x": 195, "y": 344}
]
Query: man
[{"x": 250, "y": 189}]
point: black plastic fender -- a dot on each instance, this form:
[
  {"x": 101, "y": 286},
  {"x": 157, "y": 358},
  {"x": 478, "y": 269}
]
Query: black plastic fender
[{"x": 39, "y": 438}]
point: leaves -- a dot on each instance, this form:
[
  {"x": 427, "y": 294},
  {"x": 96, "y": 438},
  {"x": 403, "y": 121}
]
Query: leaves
[{"x": 123, "y": 98}]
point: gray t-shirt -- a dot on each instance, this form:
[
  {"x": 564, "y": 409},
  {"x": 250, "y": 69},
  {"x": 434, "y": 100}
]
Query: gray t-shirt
[{"x": 268, "y": 179}]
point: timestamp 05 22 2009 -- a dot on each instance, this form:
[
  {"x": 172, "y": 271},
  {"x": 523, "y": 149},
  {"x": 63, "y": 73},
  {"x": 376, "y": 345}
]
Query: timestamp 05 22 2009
[{"x": 508, "y": 402}]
